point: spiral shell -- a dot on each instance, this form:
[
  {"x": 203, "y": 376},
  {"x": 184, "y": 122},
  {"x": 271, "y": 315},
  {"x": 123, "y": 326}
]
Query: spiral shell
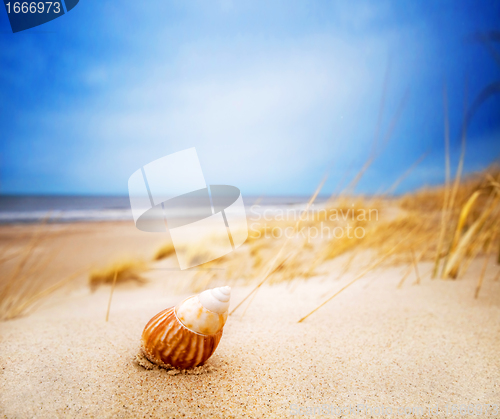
[{"x": 186, "y": 335}]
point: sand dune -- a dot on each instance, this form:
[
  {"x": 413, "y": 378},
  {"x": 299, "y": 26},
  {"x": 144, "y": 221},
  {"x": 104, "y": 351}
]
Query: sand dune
[{"x": 373, "y": 347}]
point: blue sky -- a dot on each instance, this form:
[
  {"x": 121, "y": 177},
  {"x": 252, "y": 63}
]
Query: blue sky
[{"x": 272, "y": 94}]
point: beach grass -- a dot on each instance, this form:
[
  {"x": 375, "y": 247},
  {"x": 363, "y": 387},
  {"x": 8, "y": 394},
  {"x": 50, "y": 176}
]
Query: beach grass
[
  {"x": 450, "y": 225},
  {"x": 120, "y": 271},
  {"x": 24, "y": 279},
  {"x": 471, "y": 211},
  {"x": 406, "y": 231},
  {"x": 164, "y": 251}
]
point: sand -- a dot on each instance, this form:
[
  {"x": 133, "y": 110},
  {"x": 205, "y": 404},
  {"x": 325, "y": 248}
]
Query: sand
[{"x": 373, "y": 348}]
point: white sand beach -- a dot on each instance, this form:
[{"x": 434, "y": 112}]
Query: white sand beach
[{"x": 425, "y": 346}]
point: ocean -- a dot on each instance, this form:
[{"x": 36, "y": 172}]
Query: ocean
[{"x": 64, "y": 208}]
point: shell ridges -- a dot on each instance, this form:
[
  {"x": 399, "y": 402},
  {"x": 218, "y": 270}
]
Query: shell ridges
[
  {"x": 186, "y": 335},
  {"x": 179, "y": 346}
]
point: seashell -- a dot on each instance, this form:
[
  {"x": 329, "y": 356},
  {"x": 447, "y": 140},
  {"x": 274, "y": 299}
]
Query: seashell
[{"x": 186, "y": 335}]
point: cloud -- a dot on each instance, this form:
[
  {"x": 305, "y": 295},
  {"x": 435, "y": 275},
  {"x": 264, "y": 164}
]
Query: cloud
[
  {"x": 263, "y": 117},
  {"x": 271, "y": 95}
]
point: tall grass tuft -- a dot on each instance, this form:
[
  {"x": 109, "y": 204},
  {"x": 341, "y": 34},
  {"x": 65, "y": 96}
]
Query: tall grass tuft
[
  {"x": 24, "y": 278},
  {"x": 165, "y": 251},
  {"x": 120, "y": 271}
]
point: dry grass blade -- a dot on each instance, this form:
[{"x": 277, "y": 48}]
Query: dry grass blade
[
  {"x": 463, "y": 218},
  {"x": 268, "y": 275},
  {"x": 497, "y": 277},
  {"x": 460, "y": 167},
  {"x": 458, "y": 175},
  {"x": 487, "y": 38},
  {"x": 347, "y": 265},
  {"x": 373, "y": 266},
  {"x": 393, "y": 187},
  {"x": 374, "y": 154},
  {"x": 407, "y": 273},
  {"x": 358, "y": 277},
  {"x": 18, "y": 310},
  {"x": 11, "y": 256},
  {"x": 474, "y": 248},
  {"x": 8, "y": 293},
  {"x": 111, "y": 295},
  {"x": 411, "y": 267},
  {"x": 491, "y": 90},
  {"x": 498, "y": 258},
  {"x": 334, "y": 194},
  {"x": 378, "y": 127},
  {"x": 248, "y": 305},
  {"x": 444, "y": 211},
  {"x": 126, "y": 270},
  {"x": 381, "y": 106},
  {"x": 30, "y": 280},
  {"x": 19, "y": 285},
  {"x": 455, "y": 257},
  {"x": 415, "y": 265},
  {"x": 483, "y": 271},
  {"x": 272, "y": 265},
  {"x": 165, "y": 251},
  {"x": 453, "y": 263}
]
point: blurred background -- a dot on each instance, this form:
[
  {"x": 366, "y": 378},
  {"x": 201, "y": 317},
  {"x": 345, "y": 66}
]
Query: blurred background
[{"x": 273, "y": 95}]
